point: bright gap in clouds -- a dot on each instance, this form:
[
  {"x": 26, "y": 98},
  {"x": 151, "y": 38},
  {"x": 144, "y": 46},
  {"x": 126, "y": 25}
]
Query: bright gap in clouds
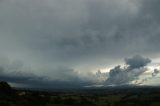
[
  {"x": 150, "y": 77},
  {"x": 104, "y": 70}
]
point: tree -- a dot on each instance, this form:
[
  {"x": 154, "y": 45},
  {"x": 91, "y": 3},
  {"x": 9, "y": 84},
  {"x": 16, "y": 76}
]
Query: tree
[{"x": 5, "y": 87}]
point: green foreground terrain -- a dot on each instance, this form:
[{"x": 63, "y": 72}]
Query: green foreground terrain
[{"x": 122, "y": 97}]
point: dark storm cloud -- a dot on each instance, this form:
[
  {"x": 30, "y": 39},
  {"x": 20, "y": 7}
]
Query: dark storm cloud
[
  {"x": 130, "y": 73},
  {"x": 75, "y": 34},
  {"x": 79, "y": 29},
  {"x": 33, "y": 81},
  {"x": 42, "y": 82},
  {"x": 66, "y": 78}
]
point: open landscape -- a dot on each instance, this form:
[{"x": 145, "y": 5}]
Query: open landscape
[
  {"x": 112, "y": 96},
  {"x": 79, "y": 52}
]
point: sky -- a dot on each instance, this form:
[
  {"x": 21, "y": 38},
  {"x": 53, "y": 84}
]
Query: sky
[{"x": 76, "y": 43}]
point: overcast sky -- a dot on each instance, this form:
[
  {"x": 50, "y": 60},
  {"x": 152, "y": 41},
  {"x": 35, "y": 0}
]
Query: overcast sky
[{"x": 66, "y": 41}]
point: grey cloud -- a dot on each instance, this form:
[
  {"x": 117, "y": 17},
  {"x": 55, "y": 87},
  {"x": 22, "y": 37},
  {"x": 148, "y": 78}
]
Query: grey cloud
[
  {"x": 146, "y": 79},
  {"x": 77, "y": 34},
  {"x": 43, "y": 82},
  {"x": 117, "y": 76},
  {"x": 101, "y": 27},
  {"x": 137, "y": 62},
  {"x": 156, "y": 71},
  {"x": 31, "y": 80},
  {"x": 62, "y": 77},
  {"x": 136, "y": 66}
]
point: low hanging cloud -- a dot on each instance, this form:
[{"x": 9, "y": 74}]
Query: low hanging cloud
[
  {"x": 62, "y": 77},
  {"x": 135, "y": 67},
  {"x": 31, "y": 80}
]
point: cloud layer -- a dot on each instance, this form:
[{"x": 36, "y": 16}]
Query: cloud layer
[
  {"x": 135, "y": 68},
  {"x": 70, "y": 37}
]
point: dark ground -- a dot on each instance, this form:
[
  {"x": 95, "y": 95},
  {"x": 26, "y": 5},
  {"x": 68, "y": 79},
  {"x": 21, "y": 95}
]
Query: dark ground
[{"x": 112, "y": 96}]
